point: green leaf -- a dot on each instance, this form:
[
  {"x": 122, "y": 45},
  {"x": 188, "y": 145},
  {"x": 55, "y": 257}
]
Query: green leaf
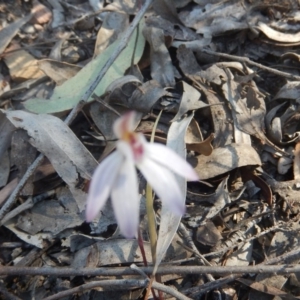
[{"x": 67, "y": 95}]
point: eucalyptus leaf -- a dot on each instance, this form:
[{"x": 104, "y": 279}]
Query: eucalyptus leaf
[{"x": 67, "y": 95}]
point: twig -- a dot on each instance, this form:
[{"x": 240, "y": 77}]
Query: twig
[
  {"x": 182, "y": 230},
  {"x": 11, "y": 200},
  {"x": 122, "y": 45},
  {"x": 293, "y": 255},
  {"x": 169, "y": 290},
  {"x": 184, "y": 270},
  {"x": 262, "y": 268},
  {"x": 159, "y": 286},
  {"x": 196, "y": 292},
  {"x": 138, "y": 270},
  {"x": 108, "y": 106},
  {"x": 226, "y": 248},
  {"x": 246, "y": 60},
  {"x": 24, "y": 206},
  {"x": 191, "y": 246},
  {"x": 121, "y": 284}
]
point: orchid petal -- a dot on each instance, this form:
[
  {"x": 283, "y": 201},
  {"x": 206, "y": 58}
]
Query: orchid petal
[
  {"x": 170, "y": 159},
  {"x": 124, "y": 124},
  {"x": 125, "y": 199},
  {"x": 101, "y": 184},
  {"x": 164, "y": 184}
]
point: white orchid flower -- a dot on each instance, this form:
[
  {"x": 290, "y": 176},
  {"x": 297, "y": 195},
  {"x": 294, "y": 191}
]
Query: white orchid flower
[{"x": 116, "y": 176}]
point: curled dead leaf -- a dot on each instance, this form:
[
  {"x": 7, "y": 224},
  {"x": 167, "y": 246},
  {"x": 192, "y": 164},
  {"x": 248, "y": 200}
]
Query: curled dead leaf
[{"x": 205, "y": 147}]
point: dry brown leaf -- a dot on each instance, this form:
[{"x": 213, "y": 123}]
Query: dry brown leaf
[
  {"x": 275, "y": 126},
  {"x": 205, "y": 147},
  {"x": 173, "y": 30},
  {"x": 190, "y": 100},
  {"x": 161, "y": 64},
  {"x": 104, "y": 119},
  {"x": 38, "y": 240},
  {"x": 130, "y": 7},
  {"x": 188, "y": 63},
  {"x": 250, "y": 121},
  {"x": 231, "y": 92},
  {"x": 213, "y": 74},
  {"x": 191, "y": 68},
  {"x": 290, "y": 55},
  {"x": 4, "y": 168},
  {"x": 198, "y": 215},
  {"x": 8, "y": 32},
  {"x": 243, "y": 255},
  {"x": 221, "y": 26},
  {"x": 22, "y": 156},
  {"x": 4, "y": 85},
  {"x": 7, "y": 190},
  {"x": 113, "y": 25},
  {"x": 59, "y": 144},
  {"x": 296, "y": 164},
  {"x": 145, "y": 96},
  {"x": 167, "y": 10},
  {"x": 204, "y": 2},
  {"x": 58, "y": 14},
  {"x": 267, "y": 289},
  {"x": 56, "y": 50},
  {"x": 146, "y": 127},
  {"x": 277, "y": 35},
  {"x": 58, "y": 71},
  {"x": 6, "y": 132},
  {"x": 252, "y": 99},
  {"x": 194, "y": 45},
  {"x": 52, "y": 216},
  {"x": 41, "y": 13},
  {"x": 225, "y": 159},
  {"x": 110, "y": 252},
  {"x": 193, "y": 133},
  {"x": 291, "y": 90},
  {"x": 216, "y": 18},
  {"x": 221, "y": 117},
  {"x": 260, "y": 183},
  {"x": 121, "y": 89},
  {"x": 285, "y": 162},
  {"x": 208, "y": 234},
  {"x": 22, "y": 66}
]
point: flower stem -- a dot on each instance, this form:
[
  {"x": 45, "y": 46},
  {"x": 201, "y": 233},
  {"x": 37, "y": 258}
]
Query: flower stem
[
  {"x": 141, "y": 246},
  {"x": 151, "y": 221},
  {"x": 149, "y": 204}
]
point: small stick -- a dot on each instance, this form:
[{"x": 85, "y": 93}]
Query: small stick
[
  {"x": 197, "y": 292},
  {"x": 121, "y": 284},
  {"x": 11, "y": 200},
  {"x": 246, "y": 60},
  {"x": 162, "y": 270},
  {"x": 159, "y": 286}
]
